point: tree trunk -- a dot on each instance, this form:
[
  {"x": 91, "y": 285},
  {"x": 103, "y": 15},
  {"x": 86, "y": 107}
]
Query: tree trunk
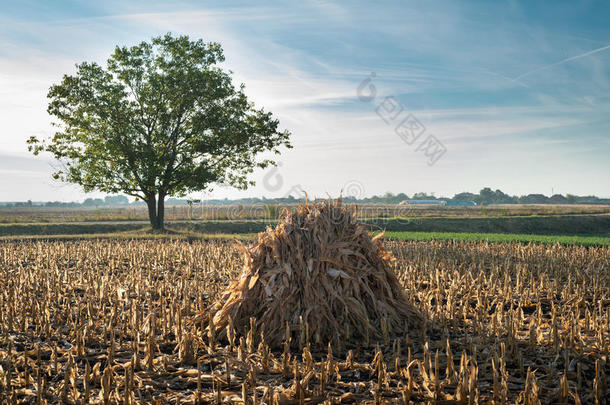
[
  {"x": 152, "y": 211},
  {"x": 156, "y": 211},
  {"x": 161, "y": 212}
]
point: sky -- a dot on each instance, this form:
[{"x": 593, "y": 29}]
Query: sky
[{"x": 420, "y": 96}]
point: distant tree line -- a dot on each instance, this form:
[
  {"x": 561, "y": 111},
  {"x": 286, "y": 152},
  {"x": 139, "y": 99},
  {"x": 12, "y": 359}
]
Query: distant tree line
[
  {"x": 108, "y": 201},
  {"x": 486, "y": 196}
]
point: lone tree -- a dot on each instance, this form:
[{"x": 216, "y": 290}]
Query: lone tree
[{"x": 162, "y": 119}]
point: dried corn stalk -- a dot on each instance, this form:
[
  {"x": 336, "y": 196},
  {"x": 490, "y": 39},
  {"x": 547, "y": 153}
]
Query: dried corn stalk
[{"x": 320, "y": 272}]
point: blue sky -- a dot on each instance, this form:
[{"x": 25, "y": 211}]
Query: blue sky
[{"x": 517, "y": 94}]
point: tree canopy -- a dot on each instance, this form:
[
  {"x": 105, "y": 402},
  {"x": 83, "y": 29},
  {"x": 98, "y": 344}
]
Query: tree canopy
[{"x": 162, "y": 119}]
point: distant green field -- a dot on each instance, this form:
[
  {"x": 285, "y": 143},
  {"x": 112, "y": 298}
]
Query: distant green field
[
  {"x": 142, "y": 233},
  {"x": 503, "y": 237},
  {"x": 523, "y": 225},
  {"x": 586, "y": 225}
]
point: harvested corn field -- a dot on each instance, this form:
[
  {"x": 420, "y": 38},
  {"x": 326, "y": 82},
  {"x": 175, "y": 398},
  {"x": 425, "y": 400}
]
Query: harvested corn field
[{"x": 111, "y": 322}]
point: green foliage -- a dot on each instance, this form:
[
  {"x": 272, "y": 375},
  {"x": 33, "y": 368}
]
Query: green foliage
[
  {"x": 162, "y": 119},
  {"x": 488, "y": 196}
]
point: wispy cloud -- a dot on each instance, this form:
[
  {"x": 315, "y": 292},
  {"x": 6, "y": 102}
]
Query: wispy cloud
[{"x": 561, "y": 62}]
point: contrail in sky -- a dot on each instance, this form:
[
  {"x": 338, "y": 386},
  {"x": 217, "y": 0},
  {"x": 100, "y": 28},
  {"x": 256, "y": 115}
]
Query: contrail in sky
[{"x": 603, "y": 48}]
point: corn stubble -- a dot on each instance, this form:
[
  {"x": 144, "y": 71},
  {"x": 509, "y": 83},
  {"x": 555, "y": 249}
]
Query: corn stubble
[{"x": 112, "y": 322}]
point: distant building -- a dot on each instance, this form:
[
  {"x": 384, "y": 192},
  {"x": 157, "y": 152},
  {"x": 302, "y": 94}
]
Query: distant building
[
  {"x": 423, "y": 202},
  {"x": 441, "y": 203},
  {"x": 452, "y": 203},
  {"x": 534, "y": 199},
  {"x": 558, "y": 199}
]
